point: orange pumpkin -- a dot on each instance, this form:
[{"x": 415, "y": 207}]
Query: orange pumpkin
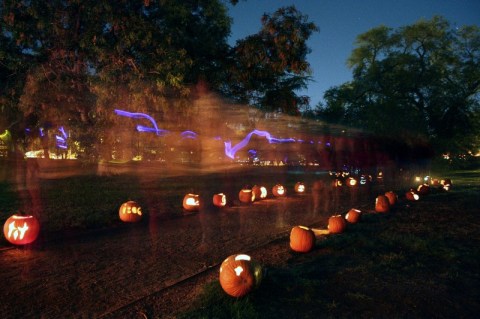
[
  {"x": 423, "y": 189},
  {"x": 278, "y": 190},
  {"x": 219, "y": 200},
  {"x": 392, "y": 198},
  {"x": 382, "y": 205},
  {"x": 260, "y": 192},
  {"x": 353, "y": 215},
  {"x": 299, "y": 187},
  {"x": 130, "y": 212},
  {"x": 302, "y": 239},
  {"x": 351, "y": 182},
  {"x": 246, "y": 196},
  {"x": 21, "y": 229},
  {"x": 412, "y": 196},
  {"x": 336, "y": 224},
  {"x": 446, "y": 182},
  {"x": 337, "y": 183},
  {"x": 191, "y": 202},
  {"x": 239, "y": 275}
]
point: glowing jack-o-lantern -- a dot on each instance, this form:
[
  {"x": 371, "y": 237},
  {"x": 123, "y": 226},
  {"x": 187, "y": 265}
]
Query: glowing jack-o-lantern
[
  {"x": 353, "y": 215},
  {"x": 246, "y": 196},
  {"x": 423, "y": 189},
  {"x": 299, "y": 187},
  {"x": 21, "y": 229},
  {"x": 446, "y": 183},
  {"x": 382, "y": 205},
  {"x": 239, "y": 275},
  {"x": 220, "y": 200},
  {"x": 191, "y": 202},
  {"x": 412, "y": 196},
  {"x": 351, "y": 182},
  {"x": 302, "y": 239},
  {"x": 278, "y": 190},
  {"x": 130, "y": 212},
  {"x": 260, "y": 192},
  {"x": 392, "y": 198},
  {"x": 337, "y": 183},
  {"x": 336, "y": 224}
]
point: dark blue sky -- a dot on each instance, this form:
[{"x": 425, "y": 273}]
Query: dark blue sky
[{"x": 340, "y": 21}]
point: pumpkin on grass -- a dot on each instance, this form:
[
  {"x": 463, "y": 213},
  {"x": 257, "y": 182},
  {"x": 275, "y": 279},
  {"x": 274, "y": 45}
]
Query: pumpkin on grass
[
  {"x": 21, "y": 229},
  {"x": 219, "y": 200},
  {"x": 260, "y": 192},
  {"x": 191, "y": 202},
  {"x": 130, "y": 212},
  {"x": 246, "y": 195},
  {"x": 412, "y": 196},
  {"x": 278, "y": 190},
  {"x": 392, "y": 198},
  {"x": 382, "y": 204},
  {"x": 302, "y": 239},
  {"x": 336, "y": 224},
  {"x": 353, "y": 215},
  {"x": 239, "y": 275},
  {"x": 299, "y": 187}
]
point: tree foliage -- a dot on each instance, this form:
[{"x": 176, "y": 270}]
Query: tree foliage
[
  {"x": 267, "y": 68},
  {"x": 419, "y": 82}
]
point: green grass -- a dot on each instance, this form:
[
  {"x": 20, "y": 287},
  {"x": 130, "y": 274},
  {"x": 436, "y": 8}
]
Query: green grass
[{"x": 421, "y": 260}]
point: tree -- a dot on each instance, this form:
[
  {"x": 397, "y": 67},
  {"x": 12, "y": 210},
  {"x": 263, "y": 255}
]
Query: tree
[
  {"x": 76, "y": 60},
  {"x": 419, "y": 82},
  {"x": 268, "y": 67}
]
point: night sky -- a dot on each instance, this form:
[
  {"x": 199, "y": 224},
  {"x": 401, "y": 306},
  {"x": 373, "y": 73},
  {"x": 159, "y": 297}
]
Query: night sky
[{"x": 340, "y": 21}]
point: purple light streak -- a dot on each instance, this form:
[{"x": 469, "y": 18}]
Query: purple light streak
[
  {"x": 142, "y": 128},
  {"x": 231, "y": 151}
]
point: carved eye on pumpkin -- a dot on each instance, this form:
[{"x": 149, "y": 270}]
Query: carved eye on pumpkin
[
  {"x": 130, "y": 212},
  {"x": 300, "y": 187},
  {"x": 191, "y": 202},
  {"x": 21, "y": 230}
]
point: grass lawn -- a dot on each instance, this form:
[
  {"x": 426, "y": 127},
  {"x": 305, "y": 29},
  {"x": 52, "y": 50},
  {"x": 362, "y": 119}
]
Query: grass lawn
[{"x": 421, "y": 260}]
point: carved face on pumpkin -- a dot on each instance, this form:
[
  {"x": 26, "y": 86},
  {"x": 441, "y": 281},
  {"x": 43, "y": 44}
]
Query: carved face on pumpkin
[
  {"x": 300, "y": 187},
  {"x": 246, "y": 196},
  {"x": 21, "y": 230},
  {"x": 191, "y": 202},
  {"x": 130, "y": 212},
  {"x": 219, "y": 200},
  {"x": 278, "y": 190}
]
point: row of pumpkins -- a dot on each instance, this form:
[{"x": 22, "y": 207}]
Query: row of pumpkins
[
  {"x": 20, "y": 229},
  {"x": 239, "y": 274}
]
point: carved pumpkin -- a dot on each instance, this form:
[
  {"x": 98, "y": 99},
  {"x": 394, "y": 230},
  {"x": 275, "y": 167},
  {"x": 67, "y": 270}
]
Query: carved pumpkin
[
  {"x": 278, "y": 190},
  {"x": 446, "y": 182},
  {"x": 130, "y": 212},
  {"x": 337, "y": 183},
  {"x": 412, "y": 196},
  {"x": 392, "y": 198},
  {"x": 353, "y": 215},
  {"x": 191, "y": 202},
  {"x": 351, "y": 182},
  {"x": 336, "y": 224},
  {"x": 260, "y": 192},
  {"x": 21, "y": 229},
  {"x": 435, "y": 182},
  {"x": 423, "y": 189},
  {"x": 239, "y": 275},
  {"x": 382, "y": 205},
  {"x": 299, "y": 187},
  {"x": 246, "y": 196},
  {"x": 219, "y": 200},
  {"x": 302, "y": 239}
]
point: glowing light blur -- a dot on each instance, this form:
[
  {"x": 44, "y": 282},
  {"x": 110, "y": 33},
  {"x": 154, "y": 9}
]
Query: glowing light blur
[
  {"x": 231, "y": 151},
  {"x": 142, "y": 128}
]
